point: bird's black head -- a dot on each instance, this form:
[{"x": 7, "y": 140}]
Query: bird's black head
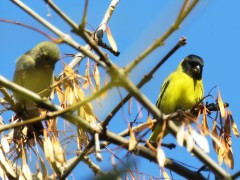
[{"x": 193, "y": 66}]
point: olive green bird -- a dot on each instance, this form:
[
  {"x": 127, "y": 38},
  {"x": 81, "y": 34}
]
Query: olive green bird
[
  {"x": 34, "y": 71},
  {"x": 182, "y": 89}
]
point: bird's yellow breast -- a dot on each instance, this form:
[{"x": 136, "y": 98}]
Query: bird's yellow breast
[
  {"x": 39, "y": 81},
  {"x": 36, "y": 80},
  {"x": 182, "y": 92}
]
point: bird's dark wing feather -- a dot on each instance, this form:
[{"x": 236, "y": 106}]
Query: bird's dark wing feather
[
  {"x": 163, "y": 89},
  {"x": 23, "y": 63}
]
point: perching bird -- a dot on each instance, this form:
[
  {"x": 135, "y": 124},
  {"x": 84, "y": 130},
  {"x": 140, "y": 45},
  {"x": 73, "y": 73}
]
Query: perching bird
[
  {"x": 182, "y": 89},
  {"x": 34, "y": 71}
]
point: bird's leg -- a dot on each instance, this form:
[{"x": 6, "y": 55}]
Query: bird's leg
[{"x": 180, "y": 111}]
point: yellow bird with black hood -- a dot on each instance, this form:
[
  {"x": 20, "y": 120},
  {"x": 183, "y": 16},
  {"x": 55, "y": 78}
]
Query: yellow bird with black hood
[{"x": 182, "y": 89}]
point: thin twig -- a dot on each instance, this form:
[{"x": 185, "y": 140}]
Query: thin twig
[
  {"x": 160, "y": 41},
  {"x": 150, "y": 155},
  {"x": 97, "y": 147},
  {"x": 144, "y": 80},
  {"x": 64, "y": 16},
  {"x": 212, "y": 165},
  {"x": 64, "y": 37},
  {"x": 181, "y": 13},
  {"x": 49, "y": 115},
  {"x": 92, "y": 43},
  {"x": 103, "y": 57},
  {"x": 92, "y": 97},
  {"x": 18, "y": 124},
  {"x": 236, "y": 175},
  {"x": 75, "y": 162},
  {"x": 139, "y": 128},
  {"x": 103, "y": 25},
  {"x": 120, "y": 76},
  {"x": 39, "y": 18},
  {"x": 188, "y": 10},
  {"x": 45, "y": 104},
  {"x": 32, "y": 28},
  {"x": 75, "y": 61},
  {"x": 8, "y": 97},
  {"x": 110, "y": 49},
  {"x": 81, "y": 123}
]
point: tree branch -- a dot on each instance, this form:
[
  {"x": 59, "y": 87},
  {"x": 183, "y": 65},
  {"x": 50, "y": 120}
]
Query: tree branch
[
  {"x": 58, "y": 111},
  {"x": 65, "y": 17},
  {"x": 213, "y": 166},
  {"x": 64, "y": 37},
  {"x": 148, "y": 154},
  {"x": 145, "y": 79},
  {"x": 45, "y": 104},
  {"x": 160, "y": 41}
]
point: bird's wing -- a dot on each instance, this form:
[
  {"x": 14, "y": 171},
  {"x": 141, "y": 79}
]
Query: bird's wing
[
  {"x": 163, "y": 89},
  {"x": 23, "y": 63}
]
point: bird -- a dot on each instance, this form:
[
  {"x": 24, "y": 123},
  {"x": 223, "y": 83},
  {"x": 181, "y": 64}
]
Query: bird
[
  {"x": 34, "y": 71},
  {"x": 181, "y": 90}
]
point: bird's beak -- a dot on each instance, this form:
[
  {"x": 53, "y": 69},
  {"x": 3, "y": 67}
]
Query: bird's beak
[{"x": 197, "y": 69}]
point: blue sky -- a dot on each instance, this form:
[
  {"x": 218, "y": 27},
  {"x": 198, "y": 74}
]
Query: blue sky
[{"x": 212, "y": 32}]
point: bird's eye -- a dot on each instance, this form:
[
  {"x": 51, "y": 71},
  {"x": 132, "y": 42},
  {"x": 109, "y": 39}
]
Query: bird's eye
[{"x": 192, "y": 64}]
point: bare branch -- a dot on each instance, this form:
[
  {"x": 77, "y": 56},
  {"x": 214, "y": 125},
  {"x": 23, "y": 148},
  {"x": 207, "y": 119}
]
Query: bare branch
[
  {"x": 119, "y": 77},
  {"x": 32, "y": 28},
  {"x": 64, "y": 16},
  {"x": 160, "y": 41},
  {"x": 58, "y": 111},
  {"x": 148, "y": 154},
  {"x": 64, "y": 37},
  {"x": 103, "y": 25},
  {"x": 75, "y": 162},
  {"x": 74, "y": 119},
  {"x": 218, "y": 170},
  {"x": 145, "y": 79}
]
